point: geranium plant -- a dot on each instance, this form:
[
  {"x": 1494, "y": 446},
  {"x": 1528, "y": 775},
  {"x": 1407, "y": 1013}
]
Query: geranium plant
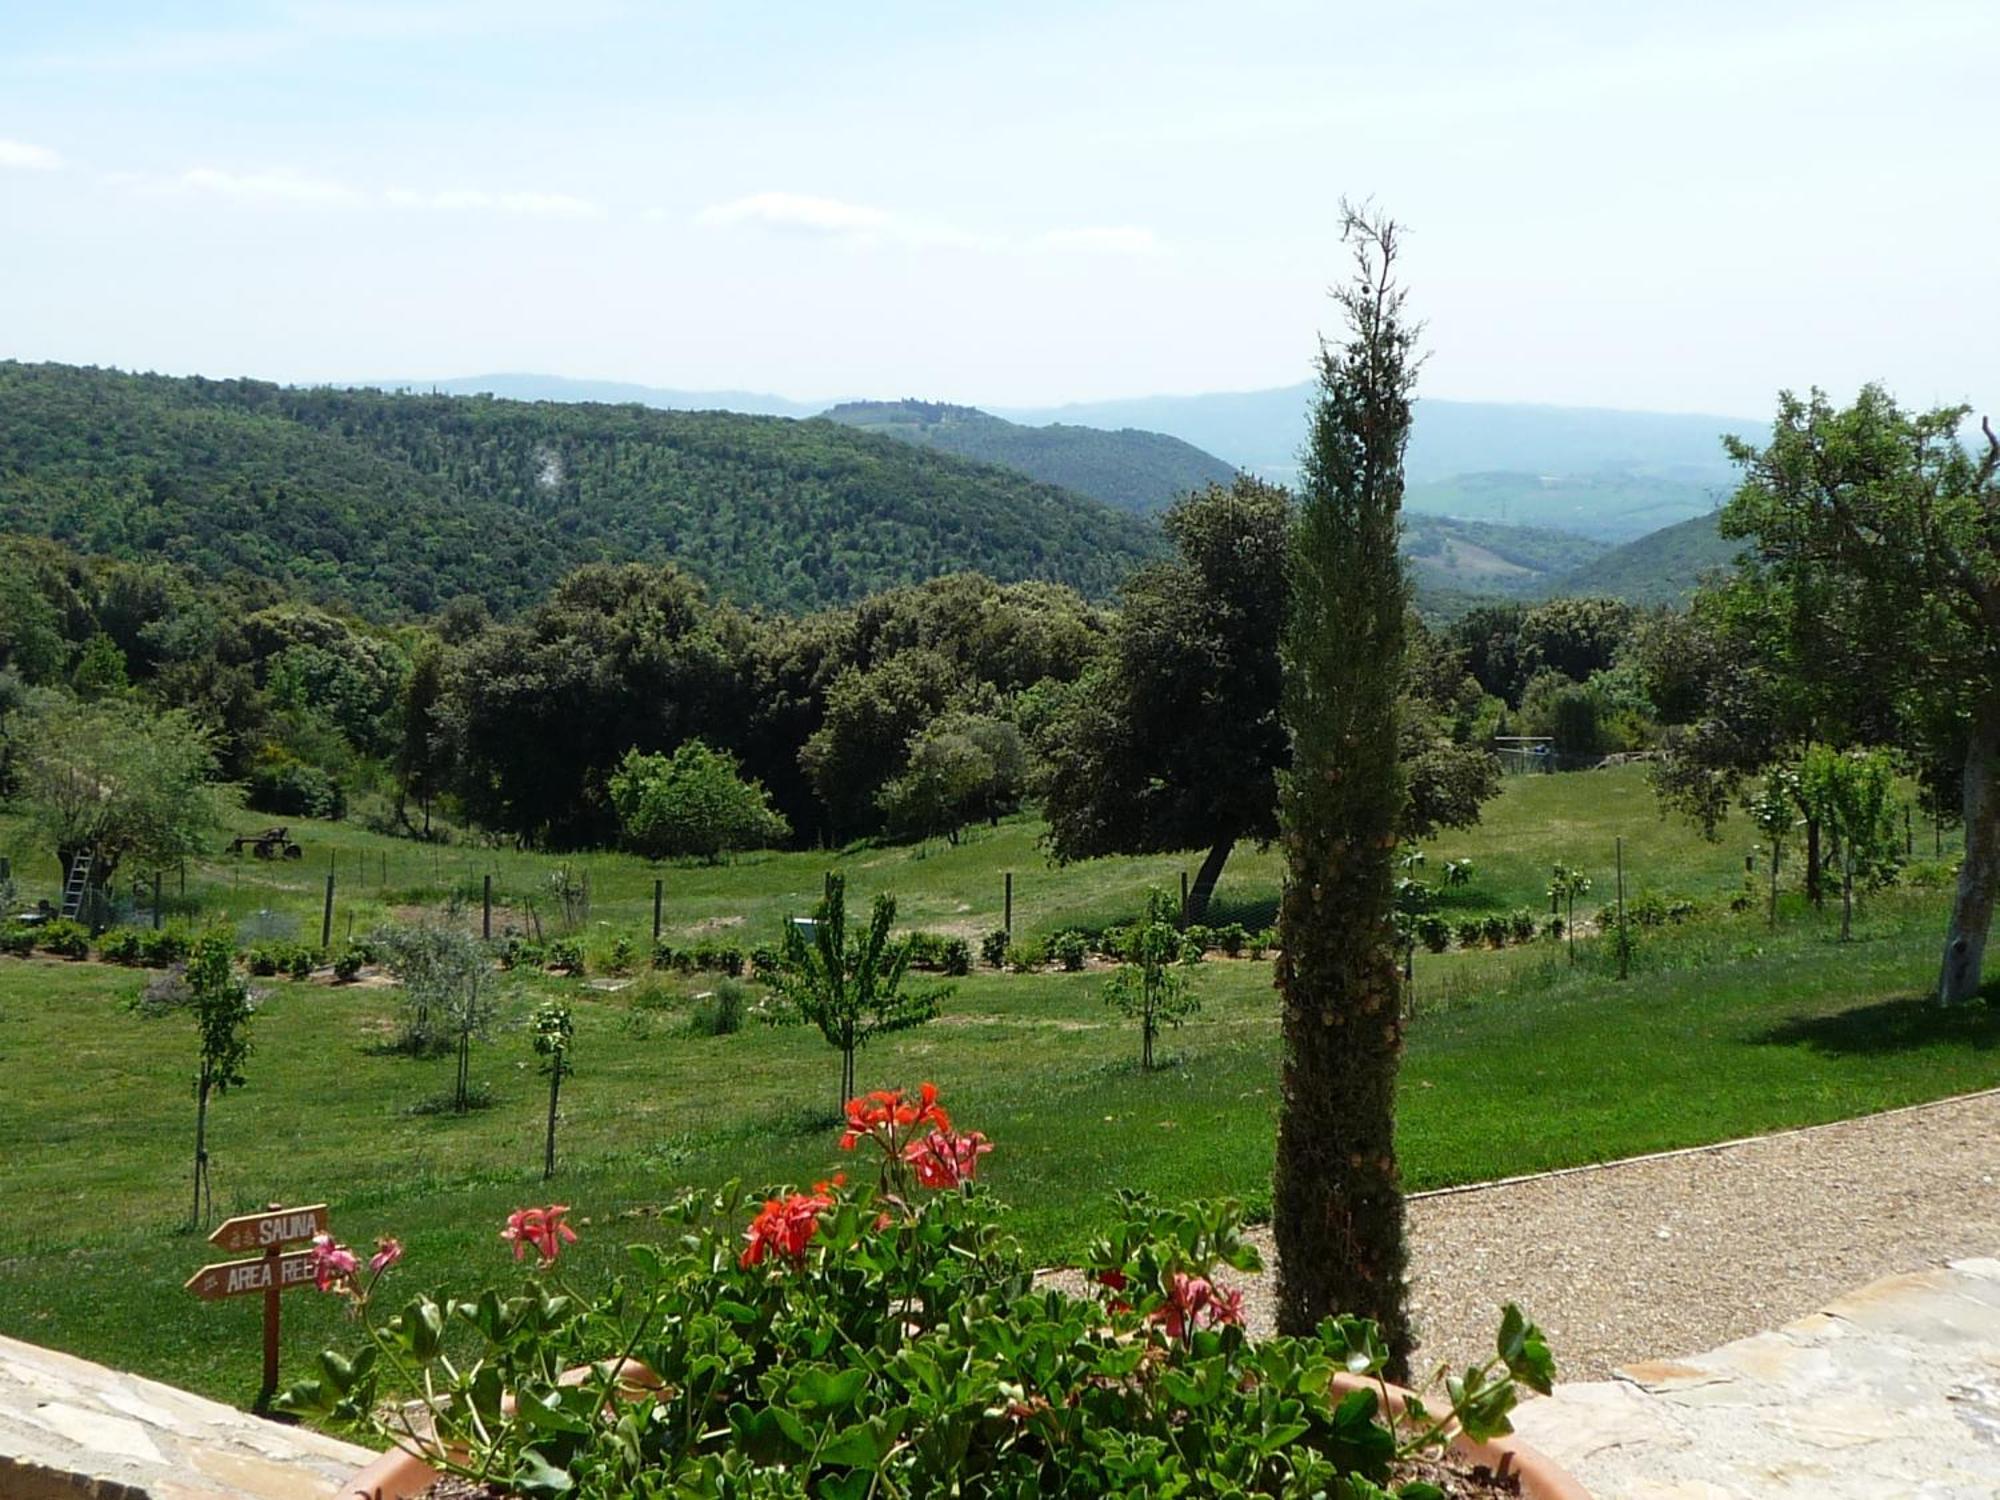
[{"x": 887, "y": 1338}]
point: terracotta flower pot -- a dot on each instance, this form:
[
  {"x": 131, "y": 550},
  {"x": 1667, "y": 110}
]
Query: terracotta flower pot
[
  {"x": 1542, "y": 1478},
  {"x": 398, "y": 1475},
  {"x": 402, "y": 1475}
]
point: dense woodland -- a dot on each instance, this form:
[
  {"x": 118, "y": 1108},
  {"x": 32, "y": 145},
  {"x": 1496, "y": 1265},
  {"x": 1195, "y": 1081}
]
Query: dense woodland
[{"x": 390, "y": 506}]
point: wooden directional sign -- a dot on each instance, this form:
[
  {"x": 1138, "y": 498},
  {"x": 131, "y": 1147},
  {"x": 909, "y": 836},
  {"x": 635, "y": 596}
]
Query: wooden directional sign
[
  {"x": 238, "y": 1278},
  {"x": 269, "y": 1229},
  {"x": 276, "y": 1270}
]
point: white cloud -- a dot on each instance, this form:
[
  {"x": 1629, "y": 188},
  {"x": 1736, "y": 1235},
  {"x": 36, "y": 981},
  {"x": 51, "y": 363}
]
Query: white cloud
[
  {"x": 474, "y": 200},
  {"x": 281, "y": 183},
  {"x": 801, "y": 212},
  {"x": 28, "y": 158},
  {"x": 1100, "y": 239}
]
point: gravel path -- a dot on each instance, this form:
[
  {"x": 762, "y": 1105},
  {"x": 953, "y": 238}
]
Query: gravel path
[{"x": 1666, "y": 1256}]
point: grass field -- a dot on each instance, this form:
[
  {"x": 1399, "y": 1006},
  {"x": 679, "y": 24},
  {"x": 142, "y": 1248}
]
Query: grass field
[{"x": 1517, "y": 1061}]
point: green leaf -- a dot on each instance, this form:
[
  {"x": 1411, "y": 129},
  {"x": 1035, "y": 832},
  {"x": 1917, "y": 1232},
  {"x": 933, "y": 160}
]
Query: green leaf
[
  {"x": 535, "y": 1475},
  {"x": 823, "y": 1389}
]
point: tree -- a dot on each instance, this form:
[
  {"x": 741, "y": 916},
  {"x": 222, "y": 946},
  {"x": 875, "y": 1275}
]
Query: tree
[
  {"x": 1148, "y": 987},
  {"x": 1850, "y": 796},
  {"x": 692, "y": 803},
  {"x": 1337, "y": 1206},
  {"x": 209, "y": 987},
  {"x": 964, "y": 766},
  {"x": 554, "y": 1031},
  {"x": 1884, "y": 530},
  {"x": 851, "y": 989},
  {"x": 1566, "y": 883},
  {"x": 423, "y": 759},
  {"x": 111, "y": 779},
  {"x": 1172, "y": 742},
  {"x": 1774, "y": 810},
  {"x": 446, "y": 975}
]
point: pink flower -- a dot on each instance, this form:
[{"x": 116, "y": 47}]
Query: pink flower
[
  {"x": 387, "y": 1252},
  {"x": 541, "y": 1227},
  {"x": 943, "y": 1159},
  {"x": 333, "y": 1264}
]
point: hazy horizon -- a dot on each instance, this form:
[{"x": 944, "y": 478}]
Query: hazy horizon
[{"x": 1634, "y": 211}]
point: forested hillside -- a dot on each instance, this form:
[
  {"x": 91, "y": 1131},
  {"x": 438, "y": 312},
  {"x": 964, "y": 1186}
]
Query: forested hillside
[
  {"x": 1133, "y": 470},
  {"x": 1661, "y": 568},
  {"x": 395, "y": 504}
]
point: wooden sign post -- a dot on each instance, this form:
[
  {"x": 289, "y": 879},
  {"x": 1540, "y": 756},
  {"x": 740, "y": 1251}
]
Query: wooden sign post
[{"x": 276, "y": 1270}]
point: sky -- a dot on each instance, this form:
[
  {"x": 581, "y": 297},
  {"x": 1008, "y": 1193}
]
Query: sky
[{"x": 1669, "y": 206}]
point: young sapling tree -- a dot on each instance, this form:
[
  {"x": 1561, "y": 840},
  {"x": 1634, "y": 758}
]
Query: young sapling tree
[
  {"x": 851, "y": 988},
  {"x": 1149, "y": 987},
  {"x": 554, "y": 1032}
]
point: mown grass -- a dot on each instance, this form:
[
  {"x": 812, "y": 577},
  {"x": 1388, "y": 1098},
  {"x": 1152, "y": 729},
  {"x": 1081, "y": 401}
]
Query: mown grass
[
  {"x": 1538, "y": 821},
  {"x": 1517, "y": 1061}
]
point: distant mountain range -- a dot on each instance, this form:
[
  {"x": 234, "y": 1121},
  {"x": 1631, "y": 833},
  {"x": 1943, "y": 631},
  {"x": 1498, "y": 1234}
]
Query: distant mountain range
[
  {"x": 1605, "y": 474},
  {"x": 1136, "y": 471}
]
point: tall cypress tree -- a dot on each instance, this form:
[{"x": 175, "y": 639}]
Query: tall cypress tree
[{"x": 1338, "y": 1205}]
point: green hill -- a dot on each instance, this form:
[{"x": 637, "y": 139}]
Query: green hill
[
  {"x": 1448, "y": 555},
  {"x": 392, "y": 504},
  {"x": 1660, "y": 568},
  {"x": 1136, "y": 471}
]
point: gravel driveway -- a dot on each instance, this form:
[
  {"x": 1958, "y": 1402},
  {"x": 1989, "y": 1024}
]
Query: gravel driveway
[{"x": 1669, "y": 1255}]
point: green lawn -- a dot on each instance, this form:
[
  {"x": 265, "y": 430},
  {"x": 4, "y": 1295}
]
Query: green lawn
[{"x": 1517, "y": 1061}]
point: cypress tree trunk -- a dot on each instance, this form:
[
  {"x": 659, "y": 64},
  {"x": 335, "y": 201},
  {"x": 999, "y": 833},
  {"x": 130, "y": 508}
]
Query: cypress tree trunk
[
  {"x": 1979, "y": 875},
  {"x": 1338, "y": 1202}
]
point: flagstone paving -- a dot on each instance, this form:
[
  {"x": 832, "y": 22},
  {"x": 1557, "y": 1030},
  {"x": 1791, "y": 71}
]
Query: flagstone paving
[{"x": 1892, "y": 1390}]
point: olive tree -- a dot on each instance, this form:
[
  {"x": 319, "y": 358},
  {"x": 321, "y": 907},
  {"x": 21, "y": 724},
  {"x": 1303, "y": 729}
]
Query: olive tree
[{"x": 1148, "y": 986}]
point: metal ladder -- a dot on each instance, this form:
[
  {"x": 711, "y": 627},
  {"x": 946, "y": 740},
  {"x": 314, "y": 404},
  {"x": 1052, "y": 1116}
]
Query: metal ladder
[{"x": 79, "y": 884}]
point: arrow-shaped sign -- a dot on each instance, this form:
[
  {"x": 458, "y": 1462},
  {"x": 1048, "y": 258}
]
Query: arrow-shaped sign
[
  {"x": 273, "y": 1227},
  {"x": 239, "y": 1278}
]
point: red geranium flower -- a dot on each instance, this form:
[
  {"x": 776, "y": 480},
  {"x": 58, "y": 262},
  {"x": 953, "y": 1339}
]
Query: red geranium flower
[
  {"x": 891, "y": 1112},
  {"x": 785, "y": 1227},
  {"x": 541, "y": 1227},
  {"x": 1196, "y": 1302}
]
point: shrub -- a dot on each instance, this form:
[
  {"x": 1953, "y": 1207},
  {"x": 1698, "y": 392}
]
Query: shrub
[
  {"x": 1647, "y": 910},
  {"x": 1232, "y": 939},
  {"x": 856, "y": 1316},
  {"x": 1262, "y": 941},
  {"x": 1193, "y": 951},
  {"x": 347, "y": 964},
  {"x": 993, "y": 948},
  {"x": 1202, "y": 937},
  {"x": 293, "y": 789},
  {"x": 301, "y": 961},
  {"x": 719, "y": 958},
  {"x": 1521, "y": 925},
  {"x": 162, "y": 947},
  {"x": 719, "y": 1012},
  {"x": 19, "y": 941},
  {"x": 1470, "y": 933},
  {"x": 261, "y": 961},
  {"x": 121, "y": 945},
  {"x": 764, "y": 960},
  {"x": 1433, "y": 931},
  {"x": 522, "y": 953},
  {"x": 956, "y": 957},
  {"x": 1553, "y": 929},
  {"x": 64, "y": 938},
  {"x": 1494, "y": 930},
  {"x": 624, "y": 953},
  {"x": 1026, "y": 958},
  {"x": 1069, "y": 948},
  {"x": 565, "y": 955}
]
